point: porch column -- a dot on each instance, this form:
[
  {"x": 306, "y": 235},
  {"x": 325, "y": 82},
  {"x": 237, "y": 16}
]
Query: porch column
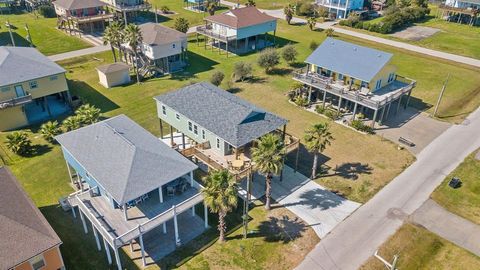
[
  {"x": 191, "y": 178},
  {"x": 175, "y": 225},
  {"x": 142, "y": 248},
  {"x": 374, "y": 118},
  {"x": 171, "y": 136},
  {"x": 310, "y": 95},
  {"x": 69, "y": 173},
  {"x": 125, "y": 212},
  {"x": 85, "y": 229},
  {"x": 183, "y": 140},
  {"x": 161, "y": 129},
  {"x": 117, "y": 259},
  {"x": 160, "y": 193},
  {"x": 324, "y": 98},
  {"x": 354, "y": 111},
  {"x": 381, "y": 116},
  {"x": 164, "y": 225},
  {"x": 45, "y": 99},
  {"x": 339, "y": 103},
  {"x": 398, "y": 105},
  {"x": 131, "y": 246},
  {"x": 388, "y": 110},
  {"x": 73, "y": 212},
  {"x": 97, "y": 240},
  {"x": 107, "y": 250},
  {"x": 205, "y": 214},
  {"x": 193, "y": 211},
  {"x": 408, "y": 99}
]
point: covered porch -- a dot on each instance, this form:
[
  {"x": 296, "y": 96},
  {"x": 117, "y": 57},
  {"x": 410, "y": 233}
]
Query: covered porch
[{"x": 44, "y": 108}]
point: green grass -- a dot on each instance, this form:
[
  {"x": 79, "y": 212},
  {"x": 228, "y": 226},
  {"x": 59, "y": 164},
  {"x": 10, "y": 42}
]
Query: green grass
[
  {"x": 464, "y": 201},
  {"x": 46, "y": 38},
  {"x": 271, "y": 4},
  {"x": 419, "y": 249},
  {"x": 453, "y": 38}
]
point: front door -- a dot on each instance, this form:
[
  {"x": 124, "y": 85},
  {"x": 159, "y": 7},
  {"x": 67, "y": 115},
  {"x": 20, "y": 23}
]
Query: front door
[{"x": 19, "y": 91}]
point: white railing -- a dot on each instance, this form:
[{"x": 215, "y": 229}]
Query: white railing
[{"x": 15, "y": 101}]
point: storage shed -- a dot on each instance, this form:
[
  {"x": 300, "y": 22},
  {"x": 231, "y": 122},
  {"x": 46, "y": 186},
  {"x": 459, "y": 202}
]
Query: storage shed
[{"x": 114, "y": 74}]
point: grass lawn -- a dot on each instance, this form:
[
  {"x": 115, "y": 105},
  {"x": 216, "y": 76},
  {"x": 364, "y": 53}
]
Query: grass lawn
[
  {"x": 419, "y": 249},
  {"x": 46, "y": 38},
  {"x": 464, "y": 201},
  {"x": 453, "y": 37},
  {"x": 271, "y": 4}
]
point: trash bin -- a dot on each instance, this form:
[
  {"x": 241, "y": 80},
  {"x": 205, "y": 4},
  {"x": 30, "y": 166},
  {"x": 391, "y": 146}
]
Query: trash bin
[{"x": 455, "y": 183}]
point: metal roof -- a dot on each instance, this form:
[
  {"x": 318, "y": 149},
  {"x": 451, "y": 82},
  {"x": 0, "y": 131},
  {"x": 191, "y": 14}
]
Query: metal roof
[
  {"x": 350, "y": 59},
  {"x": 20, "y": 64},
  {"x": 227, "y": 116},
  {"x": 125, "y": 159},
  {"x": 24, "y": 231}
]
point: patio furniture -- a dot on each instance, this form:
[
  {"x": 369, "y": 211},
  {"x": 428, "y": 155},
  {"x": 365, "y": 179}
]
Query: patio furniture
[
  {"x": 138, "y": 200},
  {"x": 144, "y": 197},
  {"x": 170, "y": 191},
  {"x": 183, "y": 188},
  {"x": 238, "y": 164}
]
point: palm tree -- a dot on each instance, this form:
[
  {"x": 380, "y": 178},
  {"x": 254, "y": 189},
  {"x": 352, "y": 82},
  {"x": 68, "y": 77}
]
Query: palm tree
[
  {"x": 71, "y": 123},
  {"x": 316, "y": 138},
  {"x": 19, "y": 143},
  {"x": 250, "y": 3},
  {"x": 113, "y": 35},
  {"x": 267, "y": 157},
  {"x": 88, "y": 114},
  {"x": 288, "y": 11},
  {"x": 330, "y": 32},
  {"x": 312, "y": 21},
  {"x": 220, "y": 195},
  {"x": 211, "y": 6},
  {"x": 133, "y": 37},
  {"x": 50, "y": 130}
]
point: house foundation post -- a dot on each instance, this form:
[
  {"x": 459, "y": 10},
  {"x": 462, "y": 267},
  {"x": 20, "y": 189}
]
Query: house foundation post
[
  {"x": 408, "y": 99},
  {"x": 381, "y": 116},
  {"x": 191, "y": 178},
  {"x": 117, "y": 259},
  {"x": 164, "y": 225},
  {"x": 142, "y": 248},
  {"x": 125, "y": 212},
  {"x": 161, "y": 129},
  {"x": 97, "y": 240},
  {"x": 175, "y": 225},
  {"x": 85, "y": 229},
  {"x": 171, "y": 136},
  {"x": 69, "y": 173},
  {"x": 107, "y": 250},
  {"x": 160, "y": 193},
  {"x": 374, "y": 119},
  {"x": 398, "y": 105},
  {"x": 193, "y": 211},
  {"x": 73, "y": 212},
  {"x": 205, "y": 214},
  {"x": 324, "y": 98},
  {"x": 183, "y": 141}
]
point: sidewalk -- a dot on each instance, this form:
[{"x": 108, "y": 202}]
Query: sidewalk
[
  {"x": 82, "y": 52},
  {"x": 445, "y": 224}
]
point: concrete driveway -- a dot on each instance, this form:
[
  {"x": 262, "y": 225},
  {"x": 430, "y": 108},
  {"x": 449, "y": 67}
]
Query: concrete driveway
[
  {"x": 318, "y": 207},
  {"x": 414, "y": 126}
]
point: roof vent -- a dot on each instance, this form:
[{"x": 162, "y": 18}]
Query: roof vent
[{"x": 355, "y": 48}]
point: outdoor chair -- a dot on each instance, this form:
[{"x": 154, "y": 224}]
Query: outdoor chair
[
  {"x": 170, "y": 191},
  {"x": 144, "y": 197},
  {"x": 138, "y": 200},
  {"x": 183, "y": 188}
]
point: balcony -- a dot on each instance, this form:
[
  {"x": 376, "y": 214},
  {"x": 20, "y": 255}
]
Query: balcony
[
  {"x": 129, "y": 8},
  {"x": 206, "y": 31},
  {"x": 373, "y": 100},
  {"x": 18, "y": 101},
  {"x": 92, "y": 18}
]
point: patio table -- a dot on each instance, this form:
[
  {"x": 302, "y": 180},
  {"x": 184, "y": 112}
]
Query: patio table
[{"x": 238, "y": 163}]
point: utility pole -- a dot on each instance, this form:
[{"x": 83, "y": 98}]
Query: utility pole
[
  {"x": 9, "y": 26},
  {"x": 441, "y": 95},
  {"x": 389, "y": 266},
  {"x": 29, "y": 37}
]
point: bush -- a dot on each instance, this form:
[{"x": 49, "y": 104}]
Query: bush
[
  {"x": 332, "y": 114},
  {"x": 165, "y": 9},
  {"x": 19, "y": 143},
  {"x": 313, "y": 45},
  {"x": 360, "y": 126},
  {"x": 289, "y": 54},
  {"x": 305, "y": 8},
  {"x": 50, "y": 130},
  {"x": 71, "y": 123},
  {"x": 320, "y": 109},
  {"x": 268, "y": 59},
  {"x": 88, "y": 114},
  {"x": 301, "y": 101},
  {"x": 241, "y": 71},
  {"x": 217, "y": 78},
  {"x": 47, "y": 11},
  {"x": 181, "y": 24}
]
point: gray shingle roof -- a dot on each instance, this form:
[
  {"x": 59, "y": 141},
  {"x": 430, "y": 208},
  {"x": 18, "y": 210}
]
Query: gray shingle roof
[
  {"x": 349, "y": 59},
  {"x": 79, "y": 4},
  {"x": 20, "y": 64},
  {"x": 157, "y": 34},
  {"x": 125, "y": 159},
  {"x": 24, "y": 231},
  {"x": 229, "y": 117}
]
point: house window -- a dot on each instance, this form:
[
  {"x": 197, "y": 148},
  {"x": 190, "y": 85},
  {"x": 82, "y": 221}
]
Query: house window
[
  {"x": 33, "y": 84},
  {"x": 195, "y": 129},
  {"x": 218, "y": 143},
  {"x": 37, "y": 262},
  {"x": 340, "y": 77},
  {"x": 391, "y": 77},
  {"x": 177, "y": 116},
  {"x": 5, "y": 89},
  {"x": 379, "y": 84},
  {"x": 204, "y": 136},
  {"x": 53, "y": 78},
  {"x": 173, "y": 45},
  {"x": 164, "y": 110},
  {"x": 190, "y": 126}
]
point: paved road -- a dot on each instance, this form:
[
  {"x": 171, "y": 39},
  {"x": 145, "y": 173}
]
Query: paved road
[
  {"x": 355, "y": 239},
  {"x": 458, "y": 230},
  {"x": 82, "y": 52}
]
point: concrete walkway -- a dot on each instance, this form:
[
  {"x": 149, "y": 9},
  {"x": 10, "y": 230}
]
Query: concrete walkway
[
  {"x": 458, "y": 230},
  {"x": 318, "y": 207},
  {"x": 77, "y": 53}
]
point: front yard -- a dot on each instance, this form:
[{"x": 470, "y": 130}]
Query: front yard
[
  {"x": 464, "y": 201},
  {"x": 419, "y": 249}
]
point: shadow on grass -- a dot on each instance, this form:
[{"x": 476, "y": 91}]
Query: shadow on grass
[
  {"x": 284, "y": 229},
  {"x": 351, "y": 170},
  {"x": 197, "y": 64},
  {"x": 5, "y": 39},
  {"x": 280, "y": 71},
  {"x": 305, "y": 161},
  {"x": 90, "y": 95}
]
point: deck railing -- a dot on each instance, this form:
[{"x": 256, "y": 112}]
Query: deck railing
[
  {"x": 15, "y": 101},
  {"x": 127, "y": 8},
  {"x": 91, "y": 18},
  {"x": 326, "y": 84},
  {"x": 207, "y": 32}
]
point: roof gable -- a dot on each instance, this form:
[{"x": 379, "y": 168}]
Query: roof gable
[
  {"x": 241, "y": 17},
  {"x": 349, "y": 59}
]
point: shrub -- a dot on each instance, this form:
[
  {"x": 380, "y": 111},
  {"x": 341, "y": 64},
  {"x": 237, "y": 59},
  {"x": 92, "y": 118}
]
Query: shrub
[
  {"x": 47, "y": 11},
  {"x": 332, "y": 114},
  {"x": 165, "y": 9},
  {"x": 313, "y": 45},
  {"x": 19, "y": 143},
  {"x": 241, "y": 71},
  {"x": 301, "y": 101},
  {"x": 50, "y": 130},
  {"x": 360, "y": 126},
  {"x": 88, "y": 114},
  {"x": 305, "y": 8},
  {"x": 320, "y": 109},
  {"x": 71, "y": 123},
  {"x": 268, "y": 59},
  {"x": 323, "y": 12},
  {"x": 360, "y": 116},
  {"x": 217, "y": 78},
  {"x": 181, "y": 24},
  {"x": 289, "y": 54}
]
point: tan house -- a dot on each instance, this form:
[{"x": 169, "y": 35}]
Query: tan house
[
  {"x": 28, "y": 241},
  {"x": 32, "y": 88},
  {"x": 115, "y": 74}
]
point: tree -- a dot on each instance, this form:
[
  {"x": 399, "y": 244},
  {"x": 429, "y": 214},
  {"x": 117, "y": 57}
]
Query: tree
[
  {"x": 312, "y": 22},
  {"x": 313, "y": 45},
  {"x": 329, "y": 32},
  {"x": 181, "y": 24},
  {"x": 316, "y": 139},
  {"x": 211, "y": 6},
  {"x": 241, "y": 71},
  {"x": 88, "y": 114},
  {"x": 47, "y": 11},
  {"x": 267, "y": 157},
  {"x": 113, "y": 35},
  {"x": 250, "y": 3},
  {"x": 289, "y": 53},
  {"x": 133, "y": 37},
  {"x": 220, "y": 195},
  {"x": 19, "y": 143},
  {"x": 165, "y": 9},
  {"x": 288, "y": 11},
  {"x": 268, "y": 59},
  {"x": 71, "y": 123},
  {"x": 50, "y": 130},
  {"x": 217, "y": 78}
]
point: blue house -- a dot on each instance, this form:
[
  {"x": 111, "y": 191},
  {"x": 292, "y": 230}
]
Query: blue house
[
  {"x": 341, "y": 8},
  {"x": 239, "y": 30},
  {"x": 129, "y": 183}
]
